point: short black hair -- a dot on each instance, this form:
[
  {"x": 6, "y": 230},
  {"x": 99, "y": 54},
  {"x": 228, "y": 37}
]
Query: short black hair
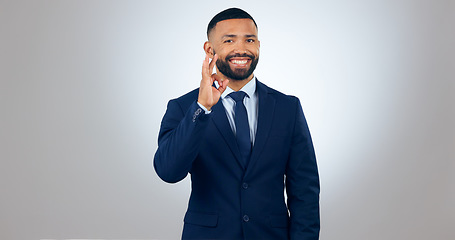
[{"x": 230, "y": 13}]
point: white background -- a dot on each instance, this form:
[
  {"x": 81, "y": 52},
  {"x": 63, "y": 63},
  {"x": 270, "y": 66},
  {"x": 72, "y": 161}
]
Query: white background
[{"x": 84, "y": 85}]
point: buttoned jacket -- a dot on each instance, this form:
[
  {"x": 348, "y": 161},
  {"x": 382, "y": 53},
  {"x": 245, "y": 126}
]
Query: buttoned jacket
[{"x": 228, "y": 199}]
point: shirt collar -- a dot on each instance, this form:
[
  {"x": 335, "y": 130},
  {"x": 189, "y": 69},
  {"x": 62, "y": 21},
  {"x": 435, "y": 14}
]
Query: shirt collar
[{"x": 249, "y": 89}]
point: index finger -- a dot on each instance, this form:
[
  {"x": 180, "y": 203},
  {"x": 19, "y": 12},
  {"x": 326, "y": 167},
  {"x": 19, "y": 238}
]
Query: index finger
[
  {"x": 205, "y": 67},
  {"x": 212, "y": 63}
]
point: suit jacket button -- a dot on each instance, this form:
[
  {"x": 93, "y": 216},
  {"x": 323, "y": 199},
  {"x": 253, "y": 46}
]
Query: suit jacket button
[
  {"x": 245, "y": 185},
  {"x": 246, "y": 218}
]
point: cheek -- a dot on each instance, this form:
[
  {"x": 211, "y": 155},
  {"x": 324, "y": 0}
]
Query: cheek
[
  {"x": 255, "y": 49},
  {"x": 255, "y": 52},
  {"x": 221, "y": 52},
  {"x": 223, "y": 49}
]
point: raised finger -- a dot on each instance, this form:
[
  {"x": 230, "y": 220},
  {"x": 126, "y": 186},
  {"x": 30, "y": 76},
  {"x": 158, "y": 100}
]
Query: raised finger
[
  {"x": 205, "y": 68},
  {"x": 212, "y": 63}
]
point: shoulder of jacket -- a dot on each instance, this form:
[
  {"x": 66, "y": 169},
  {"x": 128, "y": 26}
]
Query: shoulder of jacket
[{"x": 279, "y": 95}]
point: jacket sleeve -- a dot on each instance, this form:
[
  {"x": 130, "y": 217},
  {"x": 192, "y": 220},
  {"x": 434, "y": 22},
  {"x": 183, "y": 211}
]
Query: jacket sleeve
[
  {"x": 179, "y": 140},
  {"x": 302, "y": 182}
]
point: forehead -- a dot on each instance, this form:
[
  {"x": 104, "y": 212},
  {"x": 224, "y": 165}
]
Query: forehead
[{"x": 242, "y": 26}]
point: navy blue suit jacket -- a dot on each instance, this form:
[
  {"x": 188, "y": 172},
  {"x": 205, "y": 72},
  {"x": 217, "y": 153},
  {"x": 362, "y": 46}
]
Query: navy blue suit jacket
[{"x": 232, "y": 201}]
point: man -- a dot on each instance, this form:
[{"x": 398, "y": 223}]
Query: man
[{"x": 243, "y": 144}]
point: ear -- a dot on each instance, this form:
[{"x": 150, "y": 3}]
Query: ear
[{"x": 208, "y": 49}]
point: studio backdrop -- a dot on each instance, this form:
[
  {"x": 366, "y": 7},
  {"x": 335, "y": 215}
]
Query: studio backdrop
[{"x": 84, "y": 85}]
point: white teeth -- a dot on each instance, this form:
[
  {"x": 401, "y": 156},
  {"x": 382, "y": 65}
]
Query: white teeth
[{"x": 240, "y": 61}]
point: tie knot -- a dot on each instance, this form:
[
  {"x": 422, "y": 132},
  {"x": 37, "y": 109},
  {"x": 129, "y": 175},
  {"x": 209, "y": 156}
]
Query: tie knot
[{"x": 237, "y": 96}]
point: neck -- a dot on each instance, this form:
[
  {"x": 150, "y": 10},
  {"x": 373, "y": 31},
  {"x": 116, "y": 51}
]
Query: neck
[{"x": 238, "y": 84}]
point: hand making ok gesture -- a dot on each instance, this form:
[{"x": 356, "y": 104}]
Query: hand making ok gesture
[{"x": 208, "y": 94}]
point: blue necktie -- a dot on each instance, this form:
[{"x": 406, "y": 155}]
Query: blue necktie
[{"x": 241, "y": 125}]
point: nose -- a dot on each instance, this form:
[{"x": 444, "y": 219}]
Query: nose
[{"x": 240, "y": 48}]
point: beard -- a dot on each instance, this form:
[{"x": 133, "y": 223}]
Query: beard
[{"x": 237, "y": 74}]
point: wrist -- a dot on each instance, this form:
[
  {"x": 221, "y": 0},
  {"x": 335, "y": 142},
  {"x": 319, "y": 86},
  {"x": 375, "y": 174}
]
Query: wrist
[{"x": 207, "y": 110}]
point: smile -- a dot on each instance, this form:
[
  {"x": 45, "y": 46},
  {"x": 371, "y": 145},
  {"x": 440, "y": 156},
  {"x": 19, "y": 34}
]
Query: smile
[{"x": 239, "y": 62}]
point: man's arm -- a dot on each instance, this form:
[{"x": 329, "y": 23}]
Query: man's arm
[
  {"x": 179, "y": 140},
  {"x": 302, "y": 183},
  {"x": 182, "y": 129}
]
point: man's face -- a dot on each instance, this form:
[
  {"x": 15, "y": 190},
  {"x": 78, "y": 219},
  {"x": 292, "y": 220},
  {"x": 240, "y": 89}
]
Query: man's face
[{"x": 236, "y": 43}]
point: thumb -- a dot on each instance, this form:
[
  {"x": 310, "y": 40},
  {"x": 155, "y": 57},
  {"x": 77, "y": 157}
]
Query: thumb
[{"x": 223, "y": 85}]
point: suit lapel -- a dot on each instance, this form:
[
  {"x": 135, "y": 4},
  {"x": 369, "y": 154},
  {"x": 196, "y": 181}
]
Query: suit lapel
[
  {"x": 265, "y": 116},
  {"x": 222, "y": 123}
]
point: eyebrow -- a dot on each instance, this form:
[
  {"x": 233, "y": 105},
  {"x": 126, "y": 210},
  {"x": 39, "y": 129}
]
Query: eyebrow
[{"x": 233, "y": 36}]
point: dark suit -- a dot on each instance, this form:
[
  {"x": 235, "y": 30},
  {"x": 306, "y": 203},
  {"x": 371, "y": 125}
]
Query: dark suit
[{"x": 229, "y": 200}]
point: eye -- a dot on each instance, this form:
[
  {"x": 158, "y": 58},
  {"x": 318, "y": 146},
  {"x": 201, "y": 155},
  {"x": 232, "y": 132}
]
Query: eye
[
  {"x": 227, "y": 41},
  {"x": 250, "y": 40}
]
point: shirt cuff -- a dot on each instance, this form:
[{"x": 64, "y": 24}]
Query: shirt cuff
[{"x": 203, "y": 108}]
